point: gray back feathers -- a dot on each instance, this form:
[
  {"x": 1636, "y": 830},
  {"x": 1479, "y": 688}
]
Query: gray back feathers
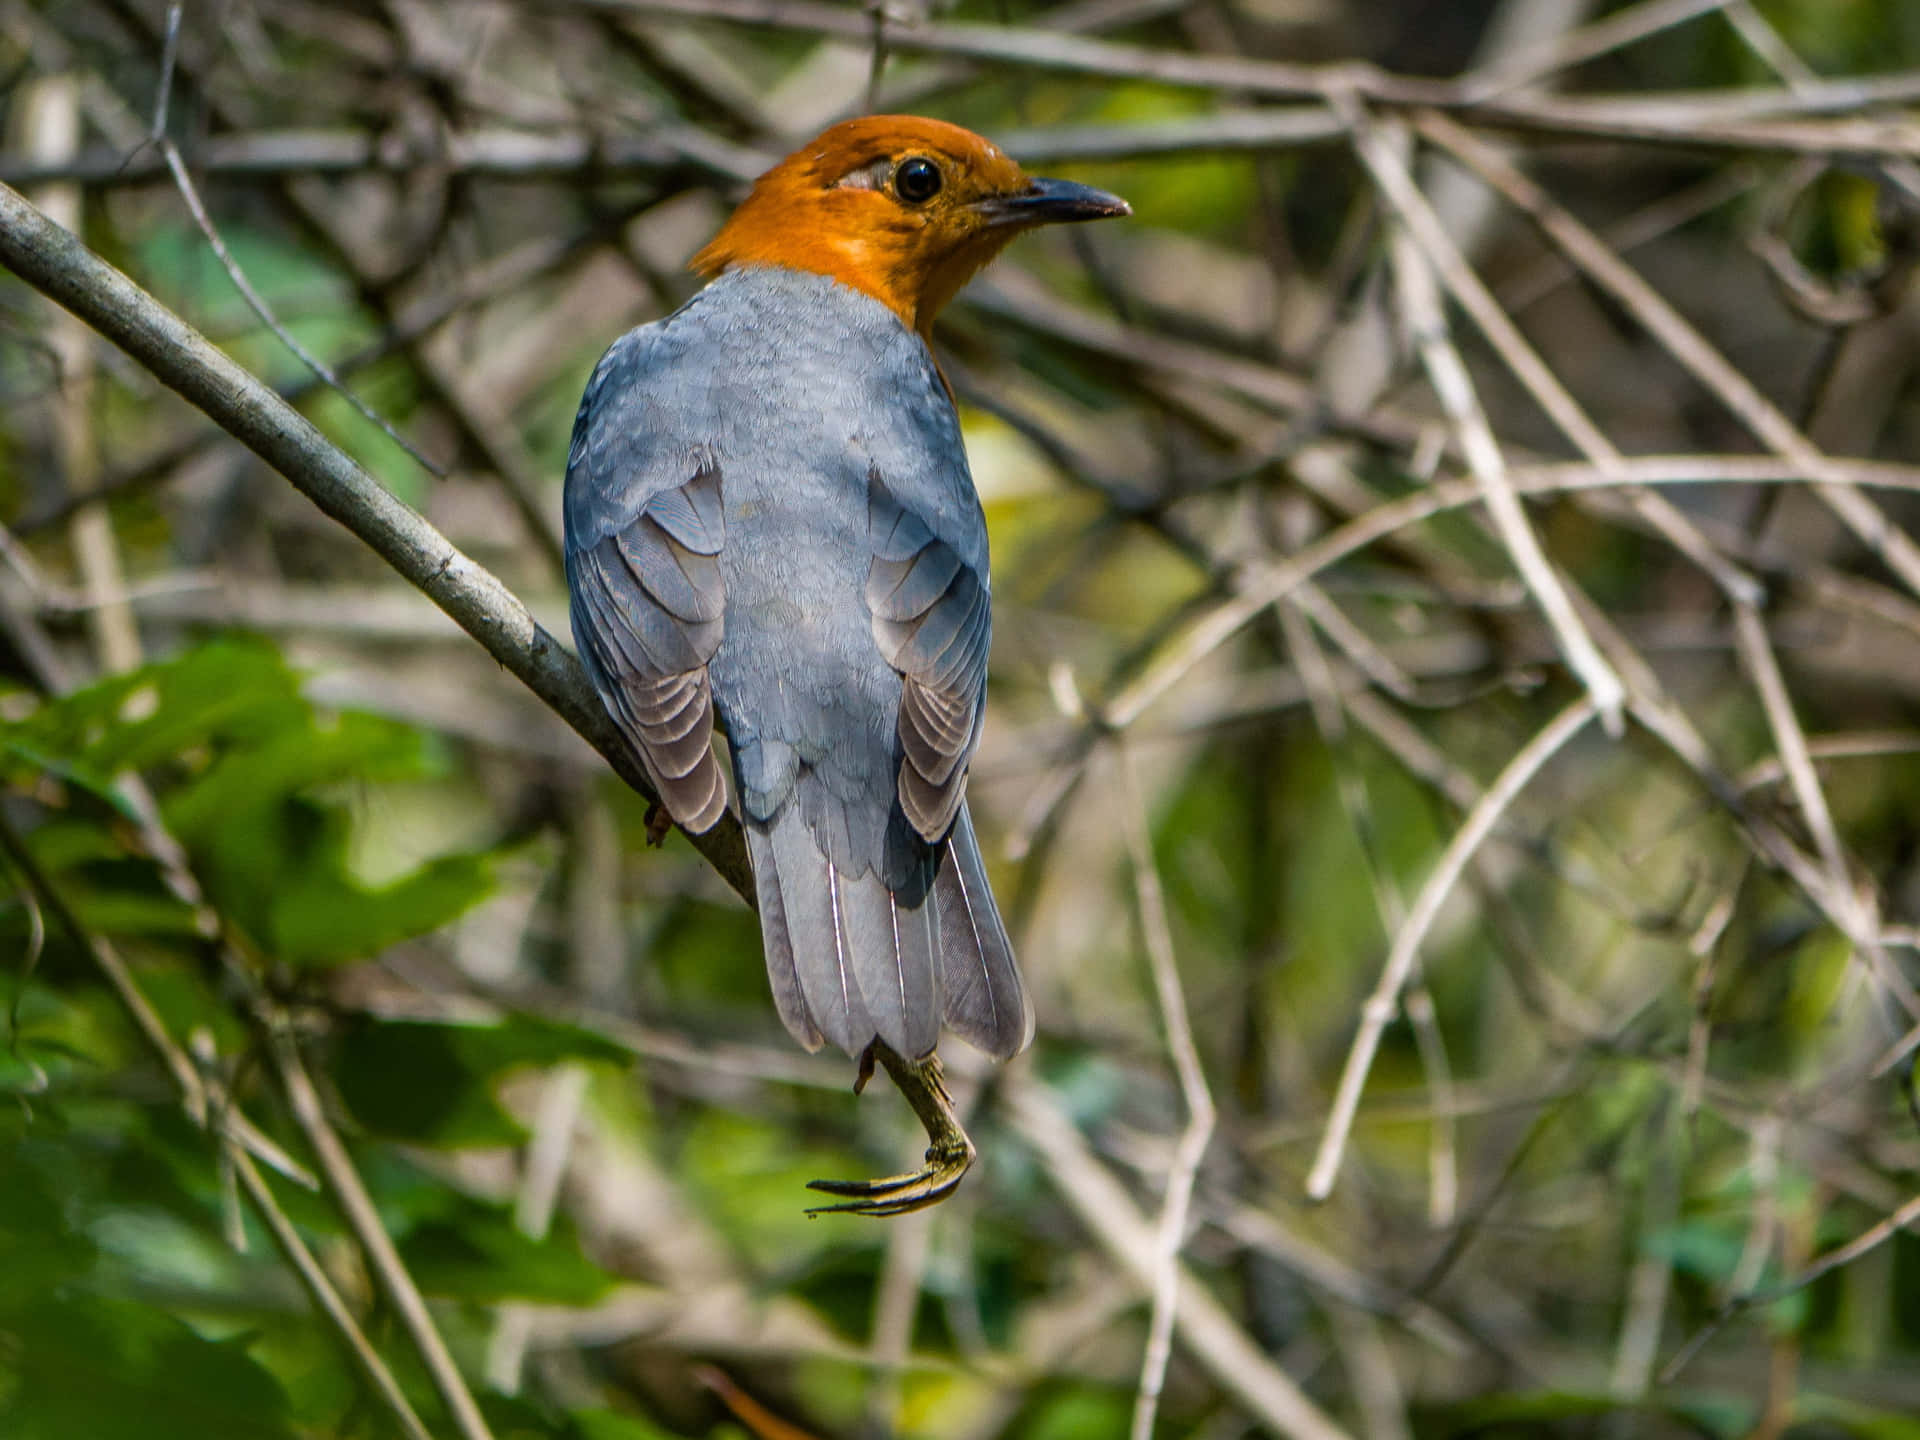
[{"x": 769, "y": 513}]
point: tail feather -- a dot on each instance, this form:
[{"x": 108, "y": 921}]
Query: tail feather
[
  {"x": 984, "y": 1002},
  {"x": 891, "y": 948},
  {"x": 782, "y": 973},
  {"x": 849, "y": 960},
  {"x": 919, "y": 941},
  {"x": 816, "y": 933}
]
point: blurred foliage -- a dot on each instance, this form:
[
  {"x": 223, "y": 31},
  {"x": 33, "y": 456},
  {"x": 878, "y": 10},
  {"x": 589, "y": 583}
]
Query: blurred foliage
[
  {"x": 1655, "y": 1086},
  {"x": 247, "y": 768}
]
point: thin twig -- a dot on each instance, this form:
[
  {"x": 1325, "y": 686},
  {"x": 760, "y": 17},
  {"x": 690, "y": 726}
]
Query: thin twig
[
  {"x": 1258, "y": 1229},
  {"x": 1757, "y": 653},
  {"x": 1835, "y": 896},
  {"x": 258, "y": 304},
  {"x": 176, "y": 166},
  {"x": 1642, "y": 227},
  {"x": 356, "y": 1205},
  {"x": 1371, "y": 1376},
  {"x": 1686, "y": 345},
  {"x": 1868, "y": 1240},
  {"x": 558, "y": 1113},
  {"x": 52, "y": 127},
  {"x": 1384, "y": 1002},
  {"x": 1761, "y": 38},
  {"x": 1457, "y": 396},
  {"x": 1626, "y": 26},
  {"x": 1764, "y": 1224},
  {"x": 1192, "y": 1145},
  {"x": 239, "y": 1140},
  {"x": 516, "y": 154},
  {"x": 1651, "y": 1276},
  {"x": 325, "y": 1298},
  {"x": 415, "y": 322},
  {"x": 1689, "y": 120},
  {"x": 1329, "y": 715},
  {"x": 178, "y": 1064},
  {"x": 1426, "y": 228},
  {"x": 1130, "y": 1241},
  {"x": 1704, "y": 945}
]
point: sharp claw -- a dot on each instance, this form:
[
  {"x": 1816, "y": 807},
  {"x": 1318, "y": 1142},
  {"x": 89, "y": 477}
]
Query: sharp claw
[
  {"x": 948, "y": 1157},
  {"x": 896, "y": 1195}
]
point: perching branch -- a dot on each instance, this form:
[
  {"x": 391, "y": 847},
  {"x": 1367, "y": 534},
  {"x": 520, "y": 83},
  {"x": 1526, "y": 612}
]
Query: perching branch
[{"x": 55, "y": 262}]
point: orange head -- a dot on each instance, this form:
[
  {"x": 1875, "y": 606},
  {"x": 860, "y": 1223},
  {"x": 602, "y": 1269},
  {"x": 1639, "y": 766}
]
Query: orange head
[{"x": 898, "y": 207}]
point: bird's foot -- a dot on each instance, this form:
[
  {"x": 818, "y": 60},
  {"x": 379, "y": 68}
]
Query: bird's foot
[
  {"x": 659, "y": 824},
  {"x": 949, "y": 1155},
  {"x": 898, "y": 1194}
]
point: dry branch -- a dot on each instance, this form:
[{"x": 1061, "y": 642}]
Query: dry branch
[
  {"x": 1127, "y": 1236},
  {"x": 56, "y": 263},
  {"x": 1384, "y": 1002}
]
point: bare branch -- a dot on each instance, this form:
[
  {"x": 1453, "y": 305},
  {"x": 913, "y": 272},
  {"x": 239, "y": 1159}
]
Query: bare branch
[
  {"x": 1452, "y": 384},
  {"x": 53, "y": 261},
  {"x": 1382, "y": 1004},
  {"x": 1171, "y": 1237},
  {"x": 1128, "y": 1239}
]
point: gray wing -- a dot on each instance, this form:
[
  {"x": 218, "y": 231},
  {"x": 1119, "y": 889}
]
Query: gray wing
[
  {"x": 932, "y": 619},
  {"x": 645, "y": 528}
]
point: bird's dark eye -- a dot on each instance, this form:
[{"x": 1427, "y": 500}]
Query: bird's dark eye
[{"x": 917, "y": 180}]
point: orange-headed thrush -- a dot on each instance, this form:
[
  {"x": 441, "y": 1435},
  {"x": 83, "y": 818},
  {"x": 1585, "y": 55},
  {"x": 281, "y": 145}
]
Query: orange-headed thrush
[{"x": 769, "y": 517}]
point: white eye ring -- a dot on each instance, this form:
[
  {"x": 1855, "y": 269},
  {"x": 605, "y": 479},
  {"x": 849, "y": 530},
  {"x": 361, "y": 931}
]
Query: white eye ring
[{"x": 871, "y": 176}]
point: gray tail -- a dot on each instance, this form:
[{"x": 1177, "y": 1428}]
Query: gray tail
[
  {"x": 982, "y": 999},
  {"x": 849, "y": 959}
]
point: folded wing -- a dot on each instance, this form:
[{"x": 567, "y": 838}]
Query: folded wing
[
  {"x": 645, "y": 528},
  {"x": 932, "y": 619}
]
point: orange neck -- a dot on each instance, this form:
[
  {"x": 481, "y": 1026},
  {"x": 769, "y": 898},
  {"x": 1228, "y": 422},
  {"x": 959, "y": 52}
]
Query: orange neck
[{"x": 844, "y": 234}]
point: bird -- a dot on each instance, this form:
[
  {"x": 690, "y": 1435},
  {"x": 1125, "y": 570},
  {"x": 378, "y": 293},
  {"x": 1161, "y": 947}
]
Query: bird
[{"x": 770, "y": 520}]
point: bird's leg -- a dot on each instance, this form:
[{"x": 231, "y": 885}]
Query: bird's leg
[
  {"x": 949, "y": 1151},
  {"x": 659, "y": 824}
]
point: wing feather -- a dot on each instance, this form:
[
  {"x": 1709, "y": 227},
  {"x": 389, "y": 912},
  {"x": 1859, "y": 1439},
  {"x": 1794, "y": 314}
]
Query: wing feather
[
  {"x": 645, "y": 527},
  {"x": 932, "y": 622}
]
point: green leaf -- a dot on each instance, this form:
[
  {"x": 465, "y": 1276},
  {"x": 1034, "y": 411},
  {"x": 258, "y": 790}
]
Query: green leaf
[
  {"x": 1851, "y": 1417},
  {"x": 245, "y": 792},
  {"x": 521, "y": 1417},
  {"x": 429, "y": 1083},
  {"x": 234, "y": 689},
  {"x": 39, "y": 1249},
  {"x": 1716, "y": 1415},
  {"x": 327, "y": 918},
  {"x": 1078, "y": 1411},
  {"x": 481, "y": 1255},
  {"x": 426, "y": 1092},
  {"x": 113, "y": 1370},
  {"x": 40, "y": 760},
  {"x": 125, "y": 914},
  {"x": 298, "y": 758},
  {"x": 609, "y": 1425}
]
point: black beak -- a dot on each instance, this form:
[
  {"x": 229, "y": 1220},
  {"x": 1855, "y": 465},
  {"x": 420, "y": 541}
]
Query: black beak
[{"x": 1049, "y": 202}]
